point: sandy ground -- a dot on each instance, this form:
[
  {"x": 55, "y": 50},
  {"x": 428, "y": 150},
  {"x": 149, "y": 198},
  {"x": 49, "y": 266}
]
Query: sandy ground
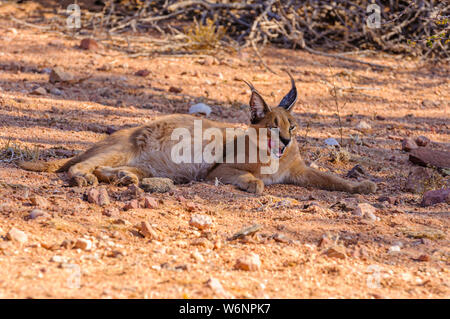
[{"x": 411, "y": 100}]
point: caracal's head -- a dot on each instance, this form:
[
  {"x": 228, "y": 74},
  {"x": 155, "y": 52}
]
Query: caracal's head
[{"x": 278, "y": 120}]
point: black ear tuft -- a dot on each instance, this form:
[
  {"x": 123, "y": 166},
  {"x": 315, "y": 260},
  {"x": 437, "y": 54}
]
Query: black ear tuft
[
  {"x": 289, "y": 100},
  {"x": 258, "y": 107}
]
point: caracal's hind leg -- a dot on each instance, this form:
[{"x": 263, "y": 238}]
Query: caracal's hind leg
[
  {"x": 122, "y": 175},
  {"x": 242, "y": 179},
  {"x": 305, "y": 176}
]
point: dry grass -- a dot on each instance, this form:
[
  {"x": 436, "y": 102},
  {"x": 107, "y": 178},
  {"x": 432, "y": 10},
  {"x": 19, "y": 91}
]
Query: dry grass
[
  {"x": 340, "y": 155},
  {"x": 11, "y": 152},
  {"x": 435, "y": 181}
]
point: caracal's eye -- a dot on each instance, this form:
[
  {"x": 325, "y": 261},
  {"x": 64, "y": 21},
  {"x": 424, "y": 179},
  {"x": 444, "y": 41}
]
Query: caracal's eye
[{"x": 292, "y": 128}]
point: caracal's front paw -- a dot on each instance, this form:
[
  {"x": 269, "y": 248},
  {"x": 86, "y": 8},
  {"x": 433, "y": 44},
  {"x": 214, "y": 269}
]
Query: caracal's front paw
[
  {"x": 254, "y": 186},
  {"x": 365, "y": 187},
  {"x": 84, "y": 180},
  {"x": 127, "y": 178}
]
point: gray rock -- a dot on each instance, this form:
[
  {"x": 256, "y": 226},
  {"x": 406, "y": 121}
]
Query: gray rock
[
  {"x": 409, "y": 144},
  {"x": 35, "y": 213},
  {"x": 157, "y": 184},
  {"x": 46, "y": 70},
  {"x": 39, "y": 91},
  {"x": 98, "y": 196},
  {"x": 422, "y": 140},
  {"x": 366, "y": 211},
  {"x": 436, "y": 196},
  {"x": 56, "y": 91},
  {"x": 59, "y": 75}
]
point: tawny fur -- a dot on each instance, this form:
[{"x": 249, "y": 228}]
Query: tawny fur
[{"x": 129, "y": 155}]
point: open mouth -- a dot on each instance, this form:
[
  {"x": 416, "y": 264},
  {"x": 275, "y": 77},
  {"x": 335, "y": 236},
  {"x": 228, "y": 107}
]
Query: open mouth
[{"x": 275, "y": 148}]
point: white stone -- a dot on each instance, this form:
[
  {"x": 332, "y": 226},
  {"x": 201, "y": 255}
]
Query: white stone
[
  {"x": 59, "y": 259},
  {"x": 394, "y": 249},
  {"x": 35, "y": 213},
  {"x": 217, "y": 287},
  {"x": 366, "y": 211},
  {"x": 200, "y": 221},
  {"x": 197, "y": 256},
  {"x": 363, "y": 126},
  {"x": 200, "y": 108},
  {"x": 331, "y": 142},
  {"x": 15, "y": 234}
]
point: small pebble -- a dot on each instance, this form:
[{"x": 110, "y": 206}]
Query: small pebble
[
  {"x": 422, "y": 140},
  {"x": 423, "y": 258},
  {"x": 217, "y": 287},
  {"x": 150, "y": 202},
  {"x": 83, "y": 244},
  {"x": 200, "y": 221},
  {"x": 132, "y": 204},
  {"x": 56, "y": 91},
  {"x": 336, "y": 252},
  {"x": 35, "y": 213},
  {"x": 408, "y": 145},
  {"x": 89, "y": 44},
  {"x": 249, "y": 262},
  {"x": 147, "y": 230},
  {"x": 197, "y": 256},
  {"x": 59, "y": 259},
  {"x": 394, "y": 249},
  {"x": 15, "y": 234},
  {"x": 98, "y": 196},
  {"x": 331, "y": 142},
  {"x": 39, "y": 201},
  {"x": 363, "y": 126}
]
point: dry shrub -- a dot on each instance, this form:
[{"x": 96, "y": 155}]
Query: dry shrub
[
  {"x": 204, "y": 37},
  {"x": 339, "y": 155},
  {"x": 435, "y": 181}
]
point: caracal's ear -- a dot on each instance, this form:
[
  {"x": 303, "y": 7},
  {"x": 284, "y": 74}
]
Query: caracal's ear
[
  {"x": 258, "y": 107},
  {"x": 289, "y": 100}
]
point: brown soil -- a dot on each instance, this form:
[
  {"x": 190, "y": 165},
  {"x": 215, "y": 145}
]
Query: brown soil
[{"x": 411, "y": 100}]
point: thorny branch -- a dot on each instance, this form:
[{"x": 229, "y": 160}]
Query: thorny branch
[{"x": 419, "y": 28}]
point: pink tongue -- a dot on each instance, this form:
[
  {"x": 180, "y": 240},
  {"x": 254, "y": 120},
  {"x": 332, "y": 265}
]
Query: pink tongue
[{"x": 270, "y": 147}]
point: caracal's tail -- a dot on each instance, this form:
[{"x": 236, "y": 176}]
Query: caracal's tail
[{"x": 60, "y": 165}]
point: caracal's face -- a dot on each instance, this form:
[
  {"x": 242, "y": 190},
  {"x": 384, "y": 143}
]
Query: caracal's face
[
  {"x": 278, "y": 120},
  {"x": 281, "y": 127}
]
